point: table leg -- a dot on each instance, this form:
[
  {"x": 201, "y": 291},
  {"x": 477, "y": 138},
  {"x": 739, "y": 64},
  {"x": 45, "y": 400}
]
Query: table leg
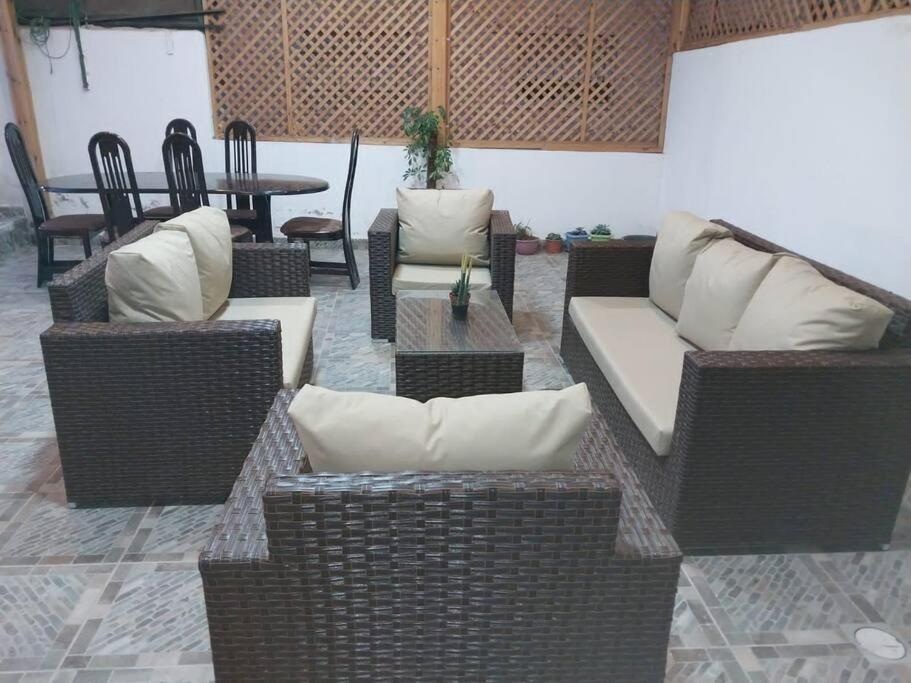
[{"x": 263, "y": 206}]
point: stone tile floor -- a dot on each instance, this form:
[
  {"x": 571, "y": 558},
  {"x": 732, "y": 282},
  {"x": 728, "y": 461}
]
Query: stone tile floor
[{"x": 114, "y": 595}]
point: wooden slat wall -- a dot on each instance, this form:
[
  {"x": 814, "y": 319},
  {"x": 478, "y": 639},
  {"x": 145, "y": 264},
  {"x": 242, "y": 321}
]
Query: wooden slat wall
[{"x": 713, "y": 22}]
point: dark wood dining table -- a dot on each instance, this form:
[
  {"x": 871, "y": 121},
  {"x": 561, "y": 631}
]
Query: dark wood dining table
[{"x": 260, "y": 186}]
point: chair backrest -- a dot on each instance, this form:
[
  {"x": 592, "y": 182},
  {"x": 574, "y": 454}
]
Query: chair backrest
[
  {"x": 349, "y": 183},
  {"x": 26, "y": 173},
  {"x": 180, "y": 126},
  {"x": 112, "y": 166},
  {"x": 240, "y": 156},
  {"x": 185, "y": 173}
]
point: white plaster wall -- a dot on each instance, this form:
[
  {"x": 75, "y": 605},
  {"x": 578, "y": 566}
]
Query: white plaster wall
[
  {"x": 140, "y": 79},
  {"x": 804, "y": 138}
]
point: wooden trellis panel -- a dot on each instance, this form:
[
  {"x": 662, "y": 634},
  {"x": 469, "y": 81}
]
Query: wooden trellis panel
[
  {"x": 712, "y": 22},
  {"x": 577, "y": 74}
]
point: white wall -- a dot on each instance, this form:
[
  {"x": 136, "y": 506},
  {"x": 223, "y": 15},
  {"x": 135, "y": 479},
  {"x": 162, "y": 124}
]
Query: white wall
[
  {"x": 804, "y": 138},
  {"x": 139, "y": 80}
]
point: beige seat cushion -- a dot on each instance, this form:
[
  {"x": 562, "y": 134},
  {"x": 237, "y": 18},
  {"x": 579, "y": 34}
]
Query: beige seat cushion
[
  {"x": 408, "y": 276},
  {"x": 437, "y": 226},
  {"x": 797, "y": 308},
  {"x": 296, "y": 315},
  {"x": 681, "y": 238},
  {"x": 360, "y": 432},
  {"x": 723, "y": 281},
  {"x": 210, "y": 236},
  {"x": 153, "y": 279},
  {"x": 637, "y": 348}
]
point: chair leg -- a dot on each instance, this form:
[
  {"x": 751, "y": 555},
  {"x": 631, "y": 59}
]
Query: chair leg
[
  {"x": 351, "y": 264},
  {"x": 43, "y": 263},
  {"x": 87, "y": 244}
]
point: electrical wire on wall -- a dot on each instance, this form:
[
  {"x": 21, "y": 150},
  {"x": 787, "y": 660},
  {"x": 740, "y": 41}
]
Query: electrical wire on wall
[{"x": 40, "y": 33}]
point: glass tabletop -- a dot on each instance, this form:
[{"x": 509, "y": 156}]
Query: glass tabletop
[
  {"x": 254, "y": 184},
  {"x": 424, "y": 324}
]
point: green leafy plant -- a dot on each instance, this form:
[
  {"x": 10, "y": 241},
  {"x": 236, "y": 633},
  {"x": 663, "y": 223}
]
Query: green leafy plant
[
  {"x": 523, "y": 231},
  {"x": 602, "y": 229},
  {"x": 460, "y": 292},
  {"x": 428, "y": 152},
  {"x": 554, "y": 236}
]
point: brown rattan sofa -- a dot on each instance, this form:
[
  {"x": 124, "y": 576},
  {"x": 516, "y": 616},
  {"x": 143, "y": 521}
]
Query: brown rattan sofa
[
  {"x": 163, "y": 413},
  {"x": 454, "y": 576},
  {"x": 771, "y": 449},
  {"x": 382, "y": 242}
]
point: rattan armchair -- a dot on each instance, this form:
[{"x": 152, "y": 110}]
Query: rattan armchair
[
  {"x": 163, "y": 413},
  {"x": 382, "y": 241},
  {"x": 474, "y": 576},
  {"x": 771, "y": 450}
]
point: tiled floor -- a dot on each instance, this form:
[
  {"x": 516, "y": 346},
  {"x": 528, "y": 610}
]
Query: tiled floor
[{"x": 114, "y": 595}]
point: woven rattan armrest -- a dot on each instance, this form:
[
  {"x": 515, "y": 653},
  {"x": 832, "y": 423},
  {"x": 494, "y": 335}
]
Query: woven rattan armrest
[
  {"x": 271, "y": 269},
  {"x": 612, "y": 268},
  {"x": 503, "y": 257}
]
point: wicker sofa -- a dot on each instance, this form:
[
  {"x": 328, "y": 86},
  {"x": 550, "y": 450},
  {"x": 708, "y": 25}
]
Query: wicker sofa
[
  {"x": 382, "y": 241},
  {"x": 770, "y": 449},
  {"x": 163, "y": 413},
  {"x": 458, "y": 576}
]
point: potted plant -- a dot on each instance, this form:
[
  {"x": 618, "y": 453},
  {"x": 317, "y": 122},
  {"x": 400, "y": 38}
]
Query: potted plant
[
  {"x": 576, "y": 235},
  {"x": 427, "y": 152},
  {"x": 601, "y": 232},
  {"x": 460, "y": 294},
  {"x": 553, "y": 243},
  {"x": 526, "y": 242}
]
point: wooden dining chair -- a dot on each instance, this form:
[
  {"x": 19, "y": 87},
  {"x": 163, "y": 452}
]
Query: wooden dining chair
[
  {"x": 187, "y": 180},
  {"x": 112, "y": 166},
  {"x": 184, "y": 127},
  {"x": 82, "y": 226},
  {"x": 240, "y": 158},
  {"x": 319, "y": 229}
]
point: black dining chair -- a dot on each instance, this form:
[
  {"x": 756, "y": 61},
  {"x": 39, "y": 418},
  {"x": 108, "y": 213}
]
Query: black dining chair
[
  {"x": 174, "y": 126},
  {"x": 83, "y": 226},
  {"x": 240, "y": 158},
  {"x": 319, "y": 229},
  {"x": 187, "y": 180},
  {"x": 112, "y": 166}
]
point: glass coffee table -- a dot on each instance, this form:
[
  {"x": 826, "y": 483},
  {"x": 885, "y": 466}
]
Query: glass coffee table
[{"x": 438, "y": 356}]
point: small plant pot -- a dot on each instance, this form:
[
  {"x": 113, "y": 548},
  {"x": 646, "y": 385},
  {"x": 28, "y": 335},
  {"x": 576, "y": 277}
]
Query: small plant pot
[
  {"x": 574, "y": 238},
  {"x": 553, "y": 246},
  {"x": 459, "y": 311},
  {"x": 601, "y": 238},
  {"x": 527, "y": 247}
]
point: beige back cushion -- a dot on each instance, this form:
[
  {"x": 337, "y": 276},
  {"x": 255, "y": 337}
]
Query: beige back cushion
[
  {"x": 723, "y": 281},
  {"x": 154, "y": 279},
  {"x": 360, "y": 432},
  {"x": 797, "y": 308},
  {"x": 437, "y": 226},
  {"x": 681, "y": 238},
  {"x": 210, "y": 236}
]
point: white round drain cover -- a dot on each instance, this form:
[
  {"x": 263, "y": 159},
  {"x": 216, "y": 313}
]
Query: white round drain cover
[{"x": 879, "y": 642}]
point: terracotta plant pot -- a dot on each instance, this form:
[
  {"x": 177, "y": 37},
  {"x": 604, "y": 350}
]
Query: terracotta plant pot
[
  {"x": 459, "y": 311},
  {"x": 553, "y": 246},
  {"x": 527, "y": 247}
]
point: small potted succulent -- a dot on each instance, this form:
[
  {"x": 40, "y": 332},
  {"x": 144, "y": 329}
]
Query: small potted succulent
[
  {"x": 460, "y": 294},
  {"x": 577, "y": 235},
  {"x": 526, "y": 242},
  {"x": 601, "y": 232},
  {"x": 553, "y": 243}
]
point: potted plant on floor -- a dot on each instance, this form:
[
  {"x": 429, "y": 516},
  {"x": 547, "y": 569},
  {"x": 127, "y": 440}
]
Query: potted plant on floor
[
  {"x": 428, "y": 153},
  {"x": 577, "y": 235},
  {"x": 460, "y": 294},
  {"x": 601, "y": 233},
  {"x": 526, "y": 242},
  {"x": 553, "y": 243}
]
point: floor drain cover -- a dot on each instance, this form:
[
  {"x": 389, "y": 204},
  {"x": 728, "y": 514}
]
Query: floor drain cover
[{"x": 879, "y": 642}]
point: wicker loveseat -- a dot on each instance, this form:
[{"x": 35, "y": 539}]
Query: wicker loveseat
[
  {"x": 163, "y": 413},
  {"x": 458, "y": 576},
  {"x": 770, "y": 449},
  {"x": 382, "y": 240}
]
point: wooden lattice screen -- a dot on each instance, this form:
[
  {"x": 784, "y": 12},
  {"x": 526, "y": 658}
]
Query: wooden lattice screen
[
  {"x": 712, "y": 22},
  {"x": 572, "y": 74}
]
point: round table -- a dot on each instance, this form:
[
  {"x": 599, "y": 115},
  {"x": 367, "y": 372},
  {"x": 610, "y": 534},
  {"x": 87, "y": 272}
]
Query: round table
[{"x": 260, "y": 186}]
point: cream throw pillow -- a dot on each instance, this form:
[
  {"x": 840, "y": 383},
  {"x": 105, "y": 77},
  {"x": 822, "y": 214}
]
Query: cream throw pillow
[
  {"x": 154, "y": 279},
  {"x": 437, "y": 226},
  {"x": 360, "y": 432},
  {"x": 210, "y": 236},
  {"x": 679, "y": 242},
  {"x": 724, "y": 279},
  {"x": 797, "y": 308}
]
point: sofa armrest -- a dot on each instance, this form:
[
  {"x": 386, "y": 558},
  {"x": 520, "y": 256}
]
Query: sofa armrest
[
  {"x": 382, "y": 245},
  {"x": 503, "y": 257},
  {"x": 611, "y": 268},
  {"x": 270, "y": 269},
  {"x": 482, "y": 519}
]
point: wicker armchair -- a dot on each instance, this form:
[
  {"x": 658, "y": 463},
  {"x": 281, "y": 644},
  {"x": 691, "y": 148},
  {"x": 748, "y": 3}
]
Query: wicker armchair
[
  {"x": 163, "y": 413},
  {"x": 771, "y": 449},
  {"x": 453, "y": 576},
  {"x": 382, "y": 241}
]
